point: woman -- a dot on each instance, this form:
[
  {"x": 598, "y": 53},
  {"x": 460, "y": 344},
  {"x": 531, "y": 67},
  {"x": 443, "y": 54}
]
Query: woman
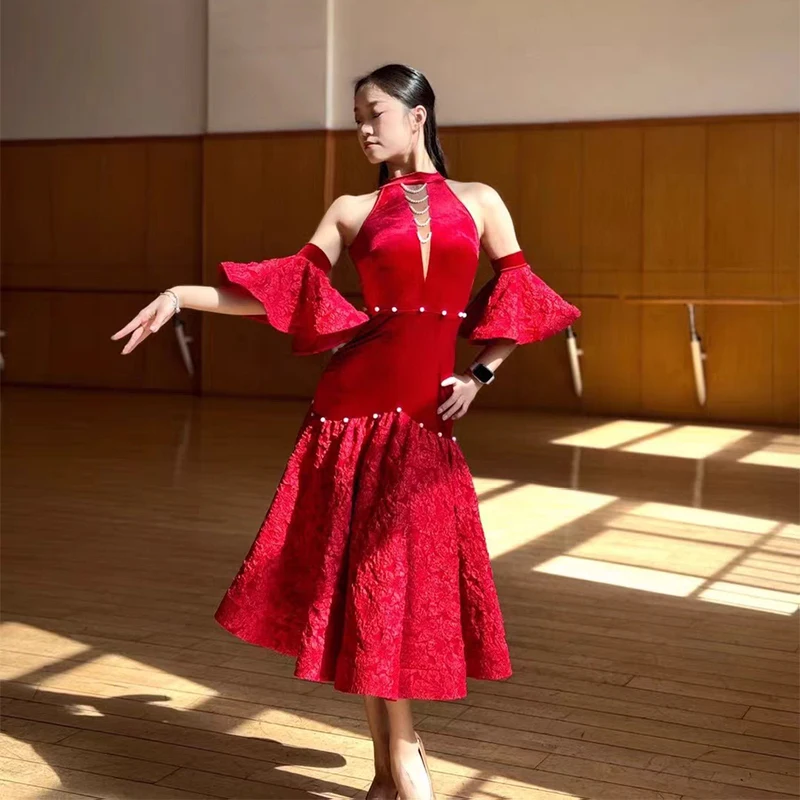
[{"x": 371, "y": 564}]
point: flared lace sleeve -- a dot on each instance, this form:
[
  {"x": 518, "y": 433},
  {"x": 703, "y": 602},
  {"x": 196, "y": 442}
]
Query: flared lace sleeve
[
  {"x": 517, "y": 304},
  {"x": 298, "y": 298}
]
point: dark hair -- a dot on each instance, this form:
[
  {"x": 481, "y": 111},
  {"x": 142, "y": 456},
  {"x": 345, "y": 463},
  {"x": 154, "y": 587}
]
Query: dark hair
[{"x": 411, "y": 88}]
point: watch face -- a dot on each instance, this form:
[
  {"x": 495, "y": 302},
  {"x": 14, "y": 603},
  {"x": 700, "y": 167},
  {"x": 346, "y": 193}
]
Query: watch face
[{"x": 482, "y": 373}]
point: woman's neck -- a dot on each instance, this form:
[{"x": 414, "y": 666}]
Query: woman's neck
[{"x": 423, "y": 165}]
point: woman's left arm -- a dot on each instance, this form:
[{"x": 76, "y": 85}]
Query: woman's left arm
[{"x": 498, "y": 237}]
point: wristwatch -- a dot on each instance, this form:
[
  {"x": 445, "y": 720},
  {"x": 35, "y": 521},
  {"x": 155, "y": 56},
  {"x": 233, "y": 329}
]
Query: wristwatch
[{"x": 481, "y": 372}]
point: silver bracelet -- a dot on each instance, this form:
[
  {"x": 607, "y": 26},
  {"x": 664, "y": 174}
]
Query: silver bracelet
[{"x": 175, "y": 300}]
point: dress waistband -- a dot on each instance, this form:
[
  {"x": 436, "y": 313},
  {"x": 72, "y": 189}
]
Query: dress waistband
[{"x": 441, "y": 312}]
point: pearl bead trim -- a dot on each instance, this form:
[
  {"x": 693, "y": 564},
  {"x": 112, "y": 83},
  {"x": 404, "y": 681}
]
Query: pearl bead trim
[
  {"x": 421, "y": 310},
  {"x": 398, "y": 410}
]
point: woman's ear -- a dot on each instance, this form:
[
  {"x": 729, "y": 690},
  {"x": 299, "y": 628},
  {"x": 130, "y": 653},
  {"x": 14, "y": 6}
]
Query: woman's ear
[{"x": 420, "y": 115}]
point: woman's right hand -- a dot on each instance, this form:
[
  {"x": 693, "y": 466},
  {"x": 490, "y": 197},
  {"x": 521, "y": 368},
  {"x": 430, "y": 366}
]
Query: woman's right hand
[{"x": 147, "y": 321}]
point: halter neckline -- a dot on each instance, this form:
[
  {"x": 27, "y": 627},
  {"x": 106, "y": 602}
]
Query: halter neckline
[{"x": 416, "y": 177}]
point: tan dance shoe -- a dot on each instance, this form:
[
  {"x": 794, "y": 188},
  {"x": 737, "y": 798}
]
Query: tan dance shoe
[{"x": 424, "y": 756}]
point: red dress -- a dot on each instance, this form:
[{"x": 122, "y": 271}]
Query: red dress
[{"x": 371, "y": 564}]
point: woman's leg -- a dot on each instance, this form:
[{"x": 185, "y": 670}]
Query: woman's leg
[
  {"x": 408, "y": 769},
  {"x": 383, "y": 787}
]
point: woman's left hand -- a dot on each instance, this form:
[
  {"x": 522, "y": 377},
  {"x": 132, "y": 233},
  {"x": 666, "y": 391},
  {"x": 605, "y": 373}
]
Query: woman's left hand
[{"x": 465, "y": 387}]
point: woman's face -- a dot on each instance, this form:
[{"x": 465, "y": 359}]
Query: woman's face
[{"x": 386, "y": 128}]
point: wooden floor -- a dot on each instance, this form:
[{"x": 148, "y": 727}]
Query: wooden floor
[{"x": 648, "y": 574}]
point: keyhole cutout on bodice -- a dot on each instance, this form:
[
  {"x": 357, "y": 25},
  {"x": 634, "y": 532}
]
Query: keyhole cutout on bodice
[{"x": 419, "y": 203}]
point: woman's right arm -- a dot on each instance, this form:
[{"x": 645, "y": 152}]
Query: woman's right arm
[{"x": 230, "y": 299}]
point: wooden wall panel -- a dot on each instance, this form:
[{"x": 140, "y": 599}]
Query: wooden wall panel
[
  {"x": 740, "y": 196},
  {"x": 786, "y": 352},
  {"x": 611, "y": 242},
  {"x": 611, "y": 364},
  {"x": 26, "y": 244},
  {"x": 668, "y": 387},
  {"x": 548, "y": 225},
  {"x": 449, "y": 139},
  {"x": 61, "y": 338},
  {"x": 263, "y": 195},
  {"x": 612, "y": 199},
  {"x": 244, "y": 357},
  {"x": 101, "y": 215},
  {"x": 660, "y": 208},
  {"x": 673, "y": 220},
  {"x": 491, "y": 155},
  {"x": 173, "y": 249},
  {"x": 233, "y": 198},
  {"x": 27, "y": 345},
  {"x": 739, "y": 343},
  {"x": 294, "y": 196},
  {"x": 548, "y": 220},
  {"x": 92, "y": 231},
  {"x": 786, "y": 276},
  {"x": 611, "y": 222},
  {"x": 263, "y": 198},
  {"x": 99, "y": 212},
  {"x": 740, "y": 339},
  {"x": 787, "y": 196},
  {"x": 673, "y": 257}
]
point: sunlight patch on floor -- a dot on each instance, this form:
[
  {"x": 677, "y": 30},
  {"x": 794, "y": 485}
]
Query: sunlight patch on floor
[
  {"x": 523, "y": 514},
  {"x": 34, "y": 648},
  {"x": 752, "y": 563},
  {"x": 611, "y": 435},
  {"x": 782, "y": 451},
  {"x": 751, "y": 597},
  {"x": 655, "y": 552},
  {"x": 675, "y": 440},
  {"x": 622, "y": 575},
  {"x": 688, "y": 441},
  {"x": 705, "y": 517}
]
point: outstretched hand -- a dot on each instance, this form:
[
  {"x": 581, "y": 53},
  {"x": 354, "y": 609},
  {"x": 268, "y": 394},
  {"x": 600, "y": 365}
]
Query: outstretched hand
[
  {"x": 147, "y": 321},
  {"x": 465, "y": 387}
]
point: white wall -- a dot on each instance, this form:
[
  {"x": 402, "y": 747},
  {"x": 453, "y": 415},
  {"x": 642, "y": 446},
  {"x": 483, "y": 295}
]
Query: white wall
[
  {"x": 267, "y": 64},
  {"x": 80, "y": 68},
  {"x": 86, "y": 68},
  {"x": 555, "y": 60}
]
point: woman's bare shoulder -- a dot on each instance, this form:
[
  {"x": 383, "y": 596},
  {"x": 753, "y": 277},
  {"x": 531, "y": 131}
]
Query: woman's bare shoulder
[
  {"x": 473, "y": 190},
  {"x": 493, "y": 219},
  {"x": 353, "y": 210}
]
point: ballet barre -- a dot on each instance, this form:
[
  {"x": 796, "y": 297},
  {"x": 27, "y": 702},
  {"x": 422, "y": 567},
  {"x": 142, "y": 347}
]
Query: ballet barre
[
  {"x": 184, "y": 340},
  {"x": 699, "y": 356},
  {"x": 574, "y": 352}
]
